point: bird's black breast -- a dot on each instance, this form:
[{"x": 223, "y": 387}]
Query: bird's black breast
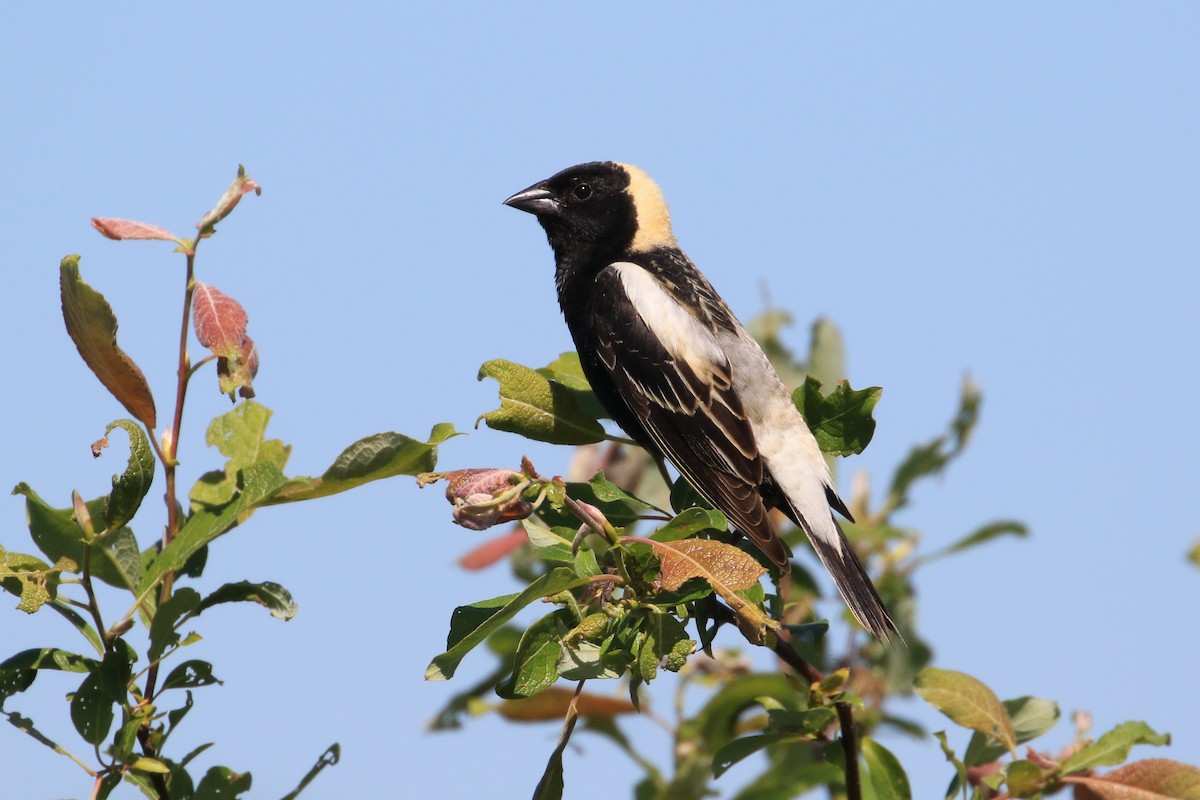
[{"x": 597, "y": 311}]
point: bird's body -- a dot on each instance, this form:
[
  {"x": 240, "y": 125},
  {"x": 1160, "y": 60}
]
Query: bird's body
[{"x": 676, "y": 370}]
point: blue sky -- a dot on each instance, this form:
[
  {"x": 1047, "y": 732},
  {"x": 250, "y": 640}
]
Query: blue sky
[{"x": 1007, "y": 192}]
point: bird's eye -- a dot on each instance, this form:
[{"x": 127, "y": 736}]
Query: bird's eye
[{"x": 582, "y": 191}]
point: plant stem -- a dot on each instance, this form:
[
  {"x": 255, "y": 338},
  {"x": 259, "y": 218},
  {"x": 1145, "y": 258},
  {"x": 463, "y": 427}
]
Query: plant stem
[
  {"x": 92, "y": 605},
  {"x": 171, "y": 448},
  {"x": 788, "y": 654}
]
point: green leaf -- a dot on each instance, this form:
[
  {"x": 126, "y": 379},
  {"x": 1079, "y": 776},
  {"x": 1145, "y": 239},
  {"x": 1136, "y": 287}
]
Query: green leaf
[
  {"x": 887, "y": 775},
  {"x": 689, "y": 522},
  {"x": 536, "y": 408},
  {"x": 842, "y": 421},
  {"x": 535, "y": 665},
  {"x": 14, "y": 681},
  {"x": 789, "y": 776},
  {"x": 175, "y": 716},
  {"x": 470, "y": 625},
  {"x": 92, "y": 704},
  {"x": 740, "y": 749},
  {"x": 272, "y": 596},
  {"x": 162, "y": 630},
  {"x": 567, "y": 371},
  {"x": 93, "y": 328},
  {"x": 125, "y": 739},
  {"x": 826, "y": 352},
  {"x": 106, "y": 786},
  {"x": 808, "y": 722},
  {"x": 550, "y": 544},
  {"x": 685, "y": 496},
  {"x": 259, "y": 482},
  {"x": 550, "y": 787},
  {"x": 153, "y": 765},
  {"x": 222, "y": 783},
  {"x": 29, "y": 578},
  {"x": 619, "y": 507},
  {"x": 240, "y": 436},
  {"x": 663, "y": 643},
  {"x": 25, "y": 725},
  {"x": 960, "y": 769},
  {"x": 968, "y": 702},
  {"x": 131, "y": 486},
  {"x": 932, "y": 457},
  {"x": 586, "y": 565},
  {"x": 49, "y": 658},
  {"x": 717, "y": 721},
  {"x": 383, "y": 455},
  {"x": 190, "y": 675},
  {"x": 331, "y": 756},
  {"x": 810, "y": 633},
  {"x": 1023, "y": 777},
  {"x": 584, "y": 660},
  {"x": 1112, "y": 748},
  {"x": 980, "y": 536},
  {"x": 115, "y": 555},
  {"x": 1031, "y": 717},
  {"x": 77, "y": 622},
  {"x": 604, "y": 492},
  {"x": 144, "y": 783}
]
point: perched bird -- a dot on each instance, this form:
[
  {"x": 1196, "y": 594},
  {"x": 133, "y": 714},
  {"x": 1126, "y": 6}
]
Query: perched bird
[{"x": 673, "y": 367}]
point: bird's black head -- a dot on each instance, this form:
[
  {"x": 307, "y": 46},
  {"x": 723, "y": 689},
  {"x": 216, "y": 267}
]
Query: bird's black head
[{"x": 598, "y": 210}]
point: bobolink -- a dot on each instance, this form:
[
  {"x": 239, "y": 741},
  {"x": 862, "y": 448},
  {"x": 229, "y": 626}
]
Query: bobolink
[{"x": 676, "y": 370}]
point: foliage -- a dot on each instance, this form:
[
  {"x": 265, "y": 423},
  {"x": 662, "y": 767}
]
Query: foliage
[
  {"x": 131, "y": 699},
  {"x": 640, "y": 577}
]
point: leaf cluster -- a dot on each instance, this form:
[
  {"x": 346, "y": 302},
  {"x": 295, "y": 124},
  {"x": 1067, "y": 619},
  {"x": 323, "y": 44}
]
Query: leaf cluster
[
  {"x": 130, "y": 699},
  {"x": 1000, "y": 727},
  {"x": 641, "y": 576}
]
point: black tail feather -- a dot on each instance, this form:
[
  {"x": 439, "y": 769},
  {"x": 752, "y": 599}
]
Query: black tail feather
[{"x": 856, "y": 588}]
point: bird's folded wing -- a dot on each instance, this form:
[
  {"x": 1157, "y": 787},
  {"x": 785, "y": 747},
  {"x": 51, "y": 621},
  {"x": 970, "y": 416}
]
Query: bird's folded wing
[{"x": 674, "y": 377}]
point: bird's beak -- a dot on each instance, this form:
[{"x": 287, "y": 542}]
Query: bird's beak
[{"x": 537, "y": 200}]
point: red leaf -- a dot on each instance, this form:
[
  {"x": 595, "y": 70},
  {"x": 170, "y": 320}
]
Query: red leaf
[
  {"x": 493, "y": 550},
  {"x": 552, "y": 703},
  {"x": 131, "y": 229},
  {"x": 220, "y": 321},
  {"x": 1151, "y": 779}
]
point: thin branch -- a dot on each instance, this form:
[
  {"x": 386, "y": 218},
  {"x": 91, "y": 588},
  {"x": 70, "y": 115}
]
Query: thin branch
[
  {"x": 168, "y": 454},
  {"x": 92, "y": 605},
  {"x": 788, "y": 654}
]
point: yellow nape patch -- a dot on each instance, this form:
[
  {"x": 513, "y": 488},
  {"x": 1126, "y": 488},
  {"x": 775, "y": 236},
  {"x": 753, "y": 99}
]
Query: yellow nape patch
[{"x": 653, "y": 216}]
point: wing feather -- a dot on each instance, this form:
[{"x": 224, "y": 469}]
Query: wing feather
[{"x": 667, "y": 367}]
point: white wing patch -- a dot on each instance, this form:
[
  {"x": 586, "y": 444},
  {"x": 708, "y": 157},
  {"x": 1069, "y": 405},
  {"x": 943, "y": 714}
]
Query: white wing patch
[{"x": 681, "y": 334}]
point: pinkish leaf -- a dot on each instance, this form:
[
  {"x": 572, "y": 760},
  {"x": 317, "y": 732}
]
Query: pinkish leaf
[
  {"x": 1151, "y": 779},
  {"x": 220, "y": 321},
  {"x": 483, "y": 497},
  {"x": 493, "y": 550},
  {"x": 240, "y": 186},
  {"x": 131, "y": 229}
]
